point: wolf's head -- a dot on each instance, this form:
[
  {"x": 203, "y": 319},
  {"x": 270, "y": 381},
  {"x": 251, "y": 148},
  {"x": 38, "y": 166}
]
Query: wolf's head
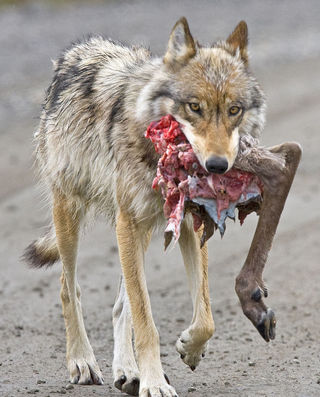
[{"x": 211, "y": 92}]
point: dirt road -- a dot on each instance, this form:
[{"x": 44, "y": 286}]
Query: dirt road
[{"x": 285, "y": 49}]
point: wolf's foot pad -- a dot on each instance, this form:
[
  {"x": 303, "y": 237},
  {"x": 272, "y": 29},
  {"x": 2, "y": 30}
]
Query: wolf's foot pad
[
  {"x": 85, "y": 372},
  {"x": 163, "y": 390},
  {"x": 127, "y": 379},
  {"x": 262, "y": 317},
  {"x": 129, "y": 386},
  {"x": 190, "y": 350}
]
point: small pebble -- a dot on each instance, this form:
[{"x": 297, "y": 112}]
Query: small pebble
[
  {"x": 39, "y": 382},
  {"x": 251, "y": 363},
  {"x": 69, "y": 386},
  {"x": 318, "y": 381},
  {"x": 191, "y": 389}
]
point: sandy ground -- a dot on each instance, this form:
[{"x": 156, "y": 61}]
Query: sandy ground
[{"x": 285, "y": 49}]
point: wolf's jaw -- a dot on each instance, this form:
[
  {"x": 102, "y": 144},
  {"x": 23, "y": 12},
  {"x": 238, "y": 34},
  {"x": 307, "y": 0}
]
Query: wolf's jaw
[{"x": 188, "y": 131}]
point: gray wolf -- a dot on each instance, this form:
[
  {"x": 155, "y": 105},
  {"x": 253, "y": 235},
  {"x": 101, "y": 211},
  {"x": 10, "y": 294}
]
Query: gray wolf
[{"x": 92, "y": 154}]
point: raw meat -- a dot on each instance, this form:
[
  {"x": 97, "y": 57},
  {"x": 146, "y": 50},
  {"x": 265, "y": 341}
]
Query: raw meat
[{"x": 187, "y": 186}]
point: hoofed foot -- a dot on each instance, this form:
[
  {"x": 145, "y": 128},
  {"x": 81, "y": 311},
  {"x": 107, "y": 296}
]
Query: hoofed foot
[
  {"x": 262, "y": 317},
  {"x": 267, "y": 325}
]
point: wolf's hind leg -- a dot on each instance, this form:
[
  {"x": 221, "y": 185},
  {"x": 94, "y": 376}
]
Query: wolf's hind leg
[
  {"x": 192, "y": 343},
  {"x": 82, "y": 364},
  {"x": 125, "y": 369}
]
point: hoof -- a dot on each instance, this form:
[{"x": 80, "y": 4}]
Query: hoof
[
  {"x": 251, "y": 299},
  {"x": 267, "y": 325}
]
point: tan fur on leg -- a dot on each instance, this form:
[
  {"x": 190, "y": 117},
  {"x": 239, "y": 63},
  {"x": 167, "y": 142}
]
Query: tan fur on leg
[
  {"x": 132, "y": 240},
  {"x": 82, "y": 364},
  {"x": 125, "y": 370},
  {"x": 193, "y": 341}
]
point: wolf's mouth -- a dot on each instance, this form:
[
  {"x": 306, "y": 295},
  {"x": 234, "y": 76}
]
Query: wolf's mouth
[{"x": 187, "y": 187}]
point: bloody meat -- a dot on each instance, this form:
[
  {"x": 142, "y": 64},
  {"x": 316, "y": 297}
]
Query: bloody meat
[{"x": 186, "y": 186}]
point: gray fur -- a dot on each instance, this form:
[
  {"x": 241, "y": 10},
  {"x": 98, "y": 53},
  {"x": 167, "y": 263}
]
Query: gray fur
[{"x": 90, "y": 142}]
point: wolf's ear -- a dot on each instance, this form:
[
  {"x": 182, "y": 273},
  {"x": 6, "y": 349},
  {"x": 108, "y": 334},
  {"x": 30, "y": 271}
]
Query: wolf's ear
[
  {"x": 239, "y": 39},
  {"x": 181, "y": 46}
]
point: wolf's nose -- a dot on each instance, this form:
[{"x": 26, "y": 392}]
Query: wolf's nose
[{"x": 217, "y": 165}]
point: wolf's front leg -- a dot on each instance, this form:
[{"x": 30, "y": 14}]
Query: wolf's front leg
[
  {"x": 193, "y": 341},
  {"x": 82, "y": 364},
  {"x": 276, "y": 167},
  {"x": 132, "y": 240}
]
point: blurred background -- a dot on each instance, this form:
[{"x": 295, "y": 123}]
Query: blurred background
[{"x": 285, "y": 56}]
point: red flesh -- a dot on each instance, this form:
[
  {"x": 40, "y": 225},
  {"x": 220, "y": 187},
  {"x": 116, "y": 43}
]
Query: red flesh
[{"x": 178, "y": 163}]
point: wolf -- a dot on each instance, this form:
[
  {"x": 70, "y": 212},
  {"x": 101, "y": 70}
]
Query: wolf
[{"x": 92, "y": 155}]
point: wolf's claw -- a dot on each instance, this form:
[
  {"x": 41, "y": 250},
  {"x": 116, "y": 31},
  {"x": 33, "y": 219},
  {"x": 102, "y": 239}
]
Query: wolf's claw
[
  {"x": 119, "y": 382},
  {"x": 131, "y": 387}
]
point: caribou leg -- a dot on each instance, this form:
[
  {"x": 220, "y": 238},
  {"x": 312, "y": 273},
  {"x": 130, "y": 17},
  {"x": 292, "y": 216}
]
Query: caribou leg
[{"x": 276, "y": 167}]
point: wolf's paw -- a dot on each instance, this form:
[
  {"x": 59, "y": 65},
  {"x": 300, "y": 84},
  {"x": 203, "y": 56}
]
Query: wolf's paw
[
  {"x": 127, "y": 380},
  {"x": 190, "y": 349},
  {"x": 162, "y": 390},
  {"x": 262, "y": 317},
  {"x": 85, "y": 371}
]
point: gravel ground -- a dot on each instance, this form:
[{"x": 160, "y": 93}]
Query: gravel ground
[{"x": 285, "y": 48}]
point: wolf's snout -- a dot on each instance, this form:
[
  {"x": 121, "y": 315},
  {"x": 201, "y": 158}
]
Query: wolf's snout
[{"x": 217, "y": 165}]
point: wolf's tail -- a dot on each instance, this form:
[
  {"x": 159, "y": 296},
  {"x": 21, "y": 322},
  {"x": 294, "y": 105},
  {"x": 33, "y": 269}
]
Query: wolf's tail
[{"x": 42, "y": 252}]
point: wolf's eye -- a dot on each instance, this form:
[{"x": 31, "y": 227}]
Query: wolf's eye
[
  {"x": 195, "y": 107},
  {"x": 234, "y": 110}
]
